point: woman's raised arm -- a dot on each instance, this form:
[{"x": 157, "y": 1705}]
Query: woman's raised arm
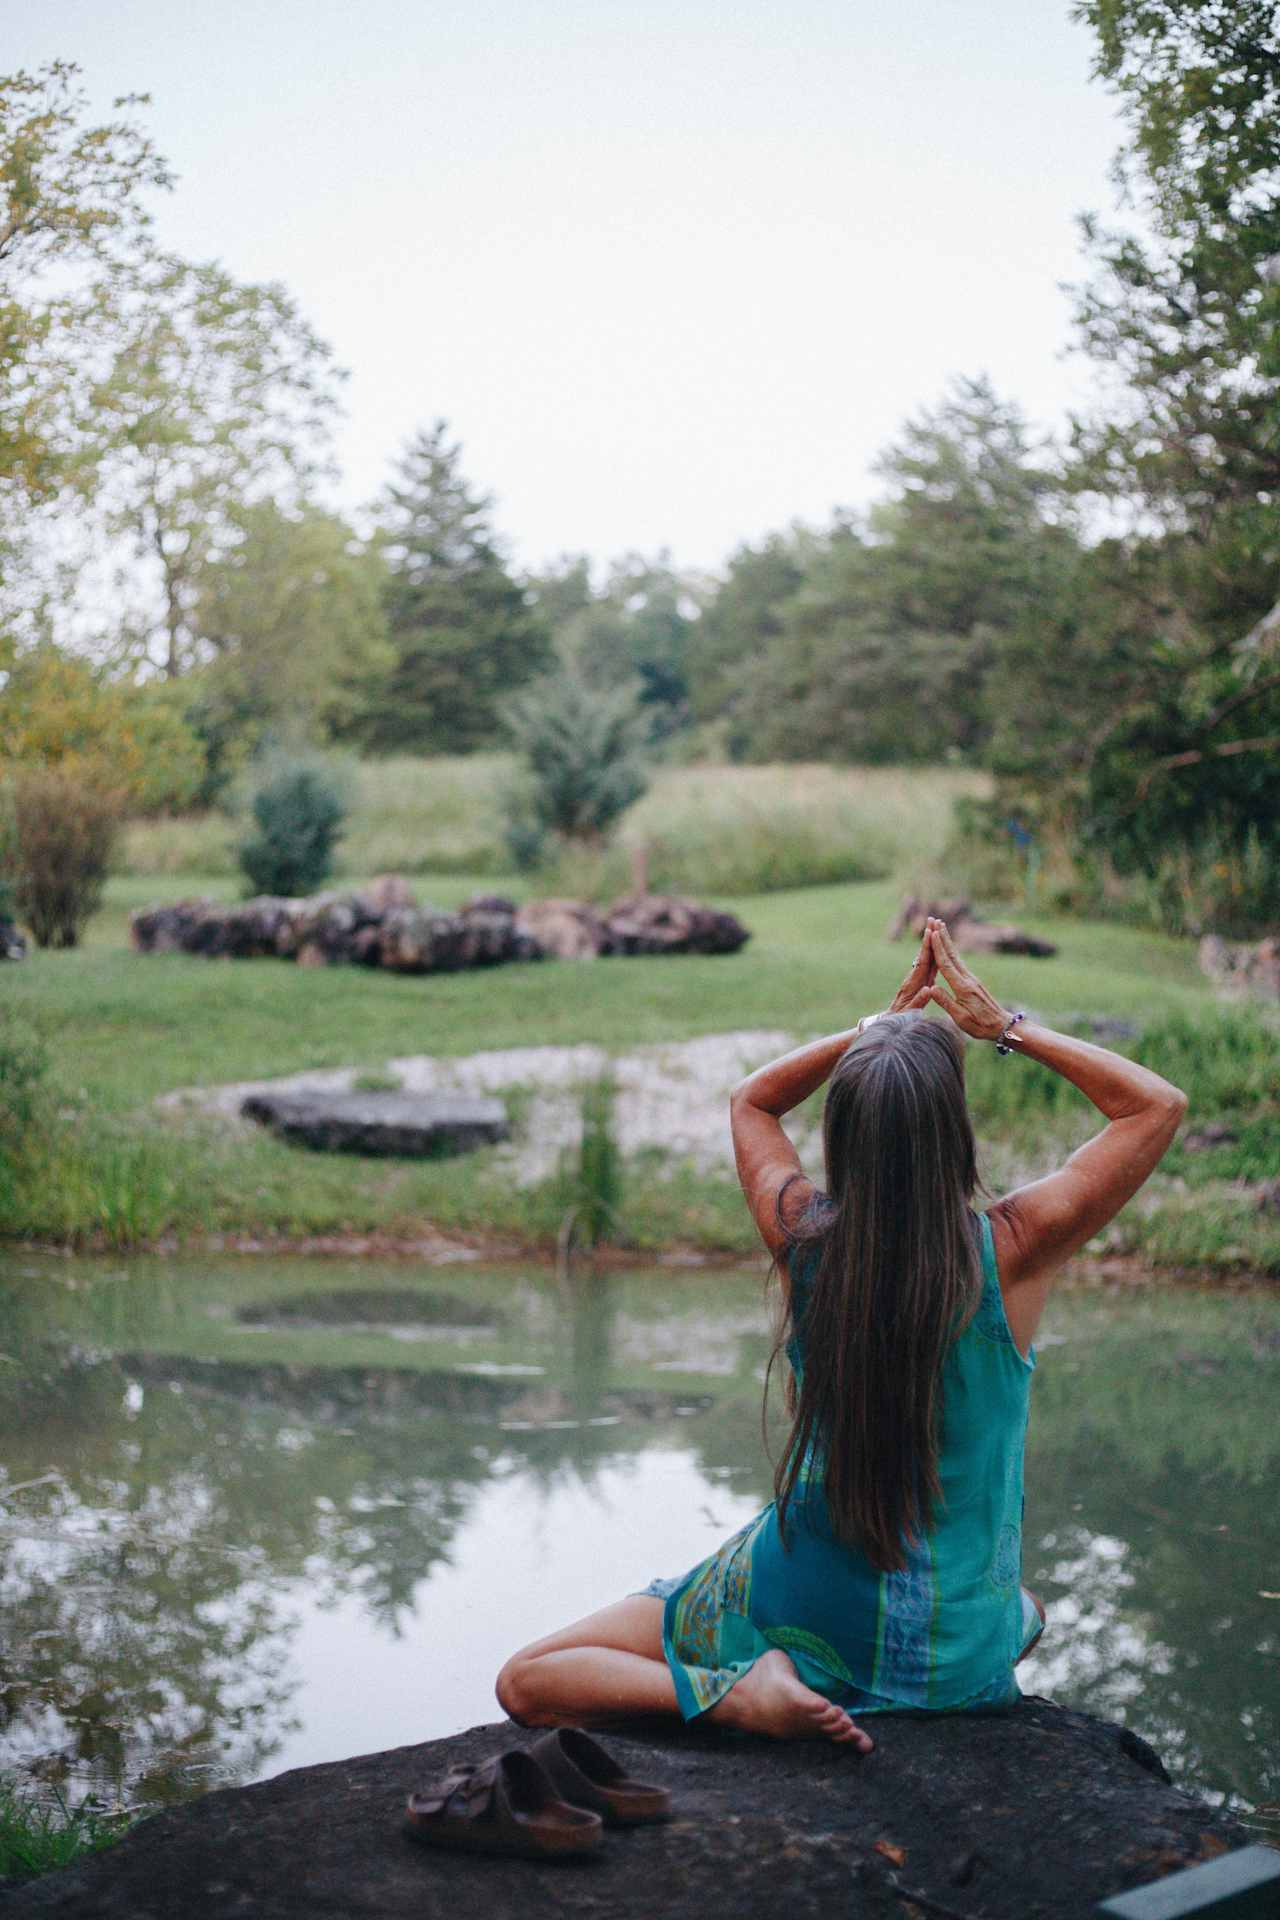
[{"x": 1041, "y": 1225}]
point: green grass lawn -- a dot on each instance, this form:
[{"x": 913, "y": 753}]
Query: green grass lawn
[
  {"x": 132, "y": 1026},
  {"x": 122, "y": 1028}
]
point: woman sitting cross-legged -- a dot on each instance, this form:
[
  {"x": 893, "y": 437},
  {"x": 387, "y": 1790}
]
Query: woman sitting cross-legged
[{"x": 886, "y": 1572}]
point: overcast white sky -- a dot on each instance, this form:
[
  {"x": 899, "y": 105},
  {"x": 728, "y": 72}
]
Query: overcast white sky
[{"x": 673, "y": 271}]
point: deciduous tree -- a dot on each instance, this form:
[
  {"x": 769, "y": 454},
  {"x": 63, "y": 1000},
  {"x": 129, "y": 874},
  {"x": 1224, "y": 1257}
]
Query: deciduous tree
[
  {"x": 213, "y": 394},
  {"x": 292, "y": 612}
]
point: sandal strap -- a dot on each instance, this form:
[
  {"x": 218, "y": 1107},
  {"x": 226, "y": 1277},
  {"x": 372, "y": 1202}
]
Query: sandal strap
[
  {"x": 475, "y": 1786},
  {"x": 576, "y": 1785}
]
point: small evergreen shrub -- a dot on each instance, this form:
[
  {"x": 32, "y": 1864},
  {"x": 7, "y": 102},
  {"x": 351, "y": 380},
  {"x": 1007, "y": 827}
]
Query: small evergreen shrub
[
  {"x": 62, "y": 834},
  {"x": 299, "y": 809},
  {"x": 585, "y": 755}
]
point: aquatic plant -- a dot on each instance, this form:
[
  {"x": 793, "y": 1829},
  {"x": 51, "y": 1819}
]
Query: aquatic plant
[{"x": 38, "y": 1835}]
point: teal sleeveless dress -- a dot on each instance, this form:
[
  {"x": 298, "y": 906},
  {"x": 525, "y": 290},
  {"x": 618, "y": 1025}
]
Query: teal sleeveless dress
[{"x": 940, "y": 1635}]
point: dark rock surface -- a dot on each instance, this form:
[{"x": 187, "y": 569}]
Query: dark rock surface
[
  {"x": 1020, "y": 1816},
  {"x": 408, "y": 1125}
]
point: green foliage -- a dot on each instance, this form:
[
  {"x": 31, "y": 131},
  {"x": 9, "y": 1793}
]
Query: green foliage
[
  {"x": 299, "y": 810},
  {"x": 740, "y": 620},
  {"x": 461, "y": 629},
  {"x": 117, "y": 1185},
  {"x": 636, "y": 630},
  {"x": 1135, "y": 699},
  {"x": 36, "y": 1836},
  {"x": 64, "y": 829},
  {"x": 62, "y": 713},
  {"x": 590, "y": 1187},
  {"x": 877, "y": 644},
  {"x": 24, "y": 1090},
  {"x": 215, "y": 392},
  {"x": 293, "y": 611},
  {"x": 1188, "y": 318},
  {"x": 1213, "y": 884},
  {"x": 1227, "y": 1061},
  {"x": 585, "y": 756},
  {"x": 72, "y": 198},
  {"x": 1178, "y": 717}
]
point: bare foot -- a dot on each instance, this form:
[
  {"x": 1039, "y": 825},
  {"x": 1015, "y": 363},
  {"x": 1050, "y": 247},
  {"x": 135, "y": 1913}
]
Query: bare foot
[{"x": 772, "y": 1698}]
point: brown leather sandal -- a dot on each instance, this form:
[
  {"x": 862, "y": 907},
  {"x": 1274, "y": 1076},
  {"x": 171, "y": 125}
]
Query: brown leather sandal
[
  {"x": 581, "y": 1770},
  {"x": 505, "y": 1805}
]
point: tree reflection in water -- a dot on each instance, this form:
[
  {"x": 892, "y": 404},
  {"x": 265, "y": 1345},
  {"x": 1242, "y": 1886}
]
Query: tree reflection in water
[{"x": 210, "y": 1475}]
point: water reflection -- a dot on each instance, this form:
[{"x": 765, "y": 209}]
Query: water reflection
[{"x": 269, "y": 1513}]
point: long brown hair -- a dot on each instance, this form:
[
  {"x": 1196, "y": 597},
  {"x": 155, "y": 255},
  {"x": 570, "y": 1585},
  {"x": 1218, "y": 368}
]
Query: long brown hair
[{"x": 896, "y": 1277}]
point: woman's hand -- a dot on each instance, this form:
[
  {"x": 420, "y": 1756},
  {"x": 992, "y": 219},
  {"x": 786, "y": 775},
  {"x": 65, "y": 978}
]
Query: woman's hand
[
  {"x": 969, "y": 1004},
  {"x": 914, "y": 991}
]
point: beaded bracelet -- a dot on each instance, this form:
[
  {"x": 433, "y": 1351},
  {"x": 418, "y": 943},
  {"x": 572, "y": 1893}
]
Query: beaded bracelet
[{"x": 1001, "y": 1047}]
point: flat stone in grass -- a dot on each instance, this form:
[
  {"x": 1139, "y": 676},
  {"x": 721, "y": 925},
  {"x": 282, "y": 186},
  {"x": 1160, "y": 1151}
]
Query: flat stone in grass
[
  {"x": 410, "y": 1126},
  {"x": 1034, "y": 1814}
]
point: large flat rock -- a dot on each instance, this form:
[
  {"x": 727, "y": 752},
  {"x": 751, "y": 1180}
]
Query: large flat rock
[
  {"x": 407, "y": 1125},
  {"x": 1017, "y": 1816}
]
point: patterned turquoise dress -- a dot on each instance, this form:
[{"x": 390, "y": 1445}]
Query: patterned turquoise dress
[{"x": 941, "y": 1634}]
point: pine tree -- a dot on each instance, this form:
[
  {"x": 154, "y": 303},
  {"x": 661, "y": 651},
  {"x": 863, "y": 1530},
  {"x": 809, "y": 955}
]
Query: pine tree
[{"x": 463, "y": 632}]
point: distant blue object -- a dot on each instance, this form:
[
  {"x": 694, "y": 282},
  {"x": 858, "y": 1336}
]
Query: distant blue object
[
  {"x": 1244, "y": 1885},
  {"x": 1022, "y": 836}
]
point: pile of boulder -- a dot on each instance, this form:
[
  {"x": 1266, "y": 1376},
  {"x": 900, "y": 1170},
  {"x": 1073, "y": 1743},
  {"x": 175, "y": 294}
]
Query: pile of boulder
[
  {"x": 384, "y": 926},
  {"x": 637, "y": 923},
  {"x": 970, "y": 932}
]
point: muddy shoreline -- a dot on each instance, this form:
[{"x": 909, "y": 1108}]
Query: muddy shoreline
[{"x": 1120, "y": 1272}]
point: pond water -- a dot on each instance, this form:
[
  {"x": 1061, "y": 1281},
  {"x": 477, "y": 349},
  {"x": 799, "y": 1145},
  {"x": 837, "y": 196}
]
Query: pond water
[{"x": 258, "y": 1513}]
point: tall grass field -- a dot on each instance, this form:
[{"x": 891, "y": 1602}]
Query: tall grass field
[{"x": 707, "y": 829}]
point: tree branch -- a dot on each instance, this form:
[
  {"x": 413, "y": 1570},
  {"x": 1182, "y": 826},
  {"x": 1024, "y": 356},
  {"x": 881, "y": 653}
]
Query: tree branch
[{"x": 1198, "y": 754}]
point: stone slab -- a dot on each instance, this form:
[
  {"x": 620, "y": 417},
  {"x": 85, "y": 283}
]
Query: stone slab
[{"x": 406, "y": 1125}]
